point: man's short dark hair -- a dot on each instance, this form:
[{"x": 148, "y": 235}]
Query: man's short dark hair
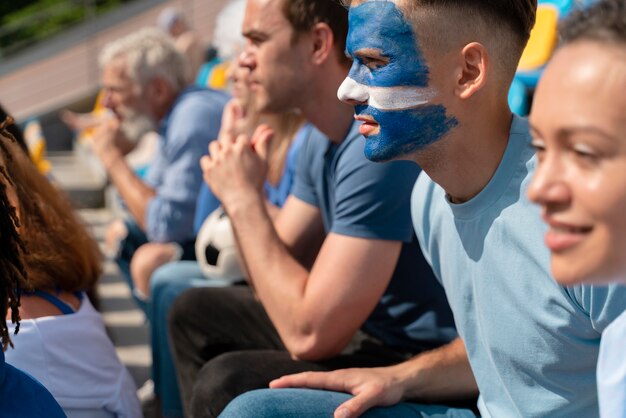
[
  {"x": 519, "y": 15},
  {"x": 604, "y": 22},
  {"x": 505, "y": 24},
  {"x": 304, "y": 14}
]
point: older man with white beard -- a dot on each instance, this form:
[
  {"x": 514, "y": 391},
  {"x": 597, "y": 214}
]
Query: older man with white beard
[{"x": 144, "y": 85}]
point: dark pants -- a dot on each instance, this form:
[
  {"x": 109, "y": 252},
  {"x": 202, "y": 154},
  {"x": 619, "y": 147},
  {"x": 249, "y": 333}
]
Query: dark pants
[{"x": 224, "y": 345}]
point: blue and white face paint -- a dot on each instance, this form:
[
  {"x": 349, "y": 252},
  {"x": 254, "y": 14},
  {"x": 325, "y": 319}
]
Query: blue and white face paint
[{"x": 389, "y": 79}]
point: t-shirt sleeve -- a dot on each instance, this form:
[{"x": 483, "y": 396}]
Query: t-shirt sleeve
[
  {"x": 303, "y": 186},
  {"x": 603, "y": 304},
  {"x": 372, "y": 200}
]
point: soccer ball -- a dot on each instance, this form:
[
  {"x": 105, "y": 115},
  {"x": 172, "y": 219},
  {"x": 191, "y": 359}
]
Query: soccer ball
[{"x": 216, "y": 249}]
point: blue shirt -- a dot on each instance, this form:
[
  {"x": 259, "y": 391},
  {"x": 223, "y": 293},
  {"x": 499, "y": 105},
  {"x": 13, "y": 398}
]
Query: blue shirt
[
  {"x": 24, "y": 397},
  {"x": 532, "y": 344},
  {"x": 175, "y": 174},
  {"x": 362, "y": 199},
  {"x": 612, "y": 370}
]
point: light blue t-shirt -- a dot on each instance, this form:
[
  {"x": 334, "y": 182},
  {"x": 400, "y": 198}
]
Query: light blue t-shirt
[
  {"x": 175, "y": 174},
  {"x": 532, "y": 344},
  {"x": 612, "y": 370},
  {"x": 359, "y": 198}
]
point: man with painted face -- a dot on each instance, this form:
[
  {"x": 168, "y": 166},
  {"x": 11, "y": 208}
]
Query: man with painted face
[
  {"x": 339, "y": 260},
  {"x": 532, "y": 344}
]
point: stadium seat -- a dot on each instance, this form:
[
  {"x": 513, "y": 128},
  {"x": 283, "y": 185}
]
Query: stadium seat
[{"x": 518, "y": 98}]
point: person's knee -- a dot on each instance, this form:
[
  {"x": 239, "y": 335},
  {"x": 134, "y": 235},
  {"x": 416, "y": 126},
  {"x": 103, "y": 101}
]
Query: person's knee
[
  {"x": 269, "y": 403},
  {"x": 146, "y": 260},
  {"x": 257, "y": 403}
]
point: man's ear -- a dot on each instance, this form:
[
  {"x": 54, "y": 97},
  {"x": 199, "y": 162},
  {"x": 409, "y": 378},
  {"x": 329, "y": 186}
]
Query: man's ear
[
  {"x": 474, "y": 70},
  {"x": 323, "y": 42},
  {"x": 160, "y": 92}
]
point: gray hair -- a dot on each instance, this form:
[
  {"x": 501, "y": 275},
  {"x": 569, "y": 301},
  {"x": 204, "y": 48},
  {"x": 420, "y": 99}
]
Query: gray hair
[
  {"x": 227, "y": 36},
  {"x": 148, "y": 54}
]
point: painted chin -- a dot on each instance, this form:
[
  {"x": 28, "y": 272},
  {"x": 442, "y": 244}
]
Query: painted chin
[{"x": 378, "y": 150}]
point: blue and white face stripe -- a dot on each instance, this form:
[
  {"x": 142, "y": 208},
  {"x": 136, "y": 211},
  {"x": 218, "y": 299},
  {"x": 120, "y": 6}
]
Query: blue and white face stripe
[{"x": 389, "y": 76}]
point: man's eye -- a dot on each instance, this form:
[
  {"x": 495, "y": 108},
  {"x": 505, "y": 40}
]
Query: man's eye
[
  {"x": 374, "y": 63},
  {"x": 255, "y": 41}
]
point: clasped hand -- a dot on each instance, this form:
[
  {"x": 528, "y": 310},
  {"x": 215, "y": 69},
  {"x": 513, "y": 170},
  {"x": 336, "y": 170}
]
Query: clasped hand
[{"x": 237, "y": 164}]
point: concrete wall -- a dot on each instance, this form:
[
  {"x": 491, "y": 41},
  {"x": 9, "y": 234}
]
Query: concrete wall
[{"x": 64, "y": 70}]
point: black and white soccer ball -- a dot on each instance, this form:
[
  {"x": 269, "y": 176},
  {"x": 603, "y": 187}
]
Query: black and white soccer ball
[{"x": 216, "y": 248}]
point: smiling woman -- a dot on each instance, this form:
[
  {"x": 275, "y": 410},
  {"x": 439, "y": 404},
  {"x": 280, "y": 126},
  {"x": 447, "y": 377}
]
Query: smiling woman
[{"x": 579, "y": 127}]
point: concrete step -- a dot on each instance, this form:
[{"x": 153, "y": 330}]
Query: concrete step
[{"x": 80, "y": 176}]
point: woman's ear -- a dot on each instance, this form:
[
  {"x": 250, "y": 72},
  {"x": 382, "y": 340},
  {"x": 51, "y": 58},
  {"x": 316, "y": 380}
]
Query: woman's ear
[
  {"x": 323, "y": 42},
  {"x": 474, "y": 70}
]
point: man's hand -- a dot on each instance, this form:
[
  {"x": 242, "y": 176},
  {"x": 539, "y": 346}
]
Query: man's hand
[
  {"x": 109, "y": 144},
  {"x": 436, "y": 375},
  {"x": 237, "y": 165},
  {"x": 370, "y": 387}
]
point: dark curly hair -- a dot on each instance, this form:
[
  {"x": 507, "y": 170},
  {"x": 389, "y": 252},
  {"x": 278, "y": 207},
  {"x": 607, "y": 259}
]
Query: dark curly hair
[
  {"x": 12, "y": 248},
  {"x": 604, "y": 22}
]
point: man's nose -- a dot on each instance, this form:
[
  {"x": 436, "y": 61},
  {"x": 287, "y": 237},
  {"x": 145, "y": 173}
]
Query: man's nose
[
  {"x": 107, "y": 99},
  {"x": 352, "y": 92},
  {"x": 246, "y": 59}
]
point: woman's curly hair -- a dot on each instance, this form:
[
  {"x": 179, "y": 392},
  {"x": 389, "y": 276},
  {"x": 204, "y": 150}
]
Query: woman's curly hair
[{"x": 12, "y": 249}]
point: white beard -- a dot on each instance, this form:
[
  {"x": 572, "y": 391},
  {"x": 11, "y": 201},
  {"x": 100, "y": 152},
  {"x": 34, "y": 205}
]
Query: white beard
[{"x": 135, "y": 125}]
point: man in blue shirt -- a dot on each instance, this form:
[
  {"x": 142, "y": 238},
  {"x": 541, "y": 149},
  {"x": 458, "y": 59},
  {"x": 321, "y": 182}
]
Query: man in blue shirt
[
  {"x": 430, "y": 82},
  {"x": 337, "y": 274},
  {"x": 145, "y": 87}
]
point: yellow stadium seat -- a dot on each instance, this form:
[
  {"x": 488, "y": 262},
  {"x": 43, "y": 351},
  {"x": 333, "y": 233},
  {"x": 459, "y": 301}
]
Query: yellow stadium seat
[
  {"x": 36, "y": 143},
  {"x": 218, "y": 78},
  {"x": 542, "y": 40}
]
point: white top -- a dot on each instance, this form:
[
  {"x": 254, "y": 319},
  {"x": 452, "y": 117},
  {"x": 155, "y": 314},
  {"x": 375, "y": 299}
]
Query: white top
[
  {"x": 72, "y": 356},
  {"x": 612, "y": 370}
]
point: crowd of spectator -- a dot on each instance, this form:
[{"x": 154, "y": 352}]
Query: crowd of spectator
[{"x": 356, "y": 224}]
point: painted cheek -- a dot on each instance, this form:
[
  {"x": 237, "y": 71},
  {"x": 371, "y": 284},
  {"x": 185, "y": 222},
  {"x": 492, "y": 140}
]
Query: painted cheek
[
  {"x": 381, "y": 26},
  {"x": 404, "y": 132},
  {"x": 350, "y": 91}
]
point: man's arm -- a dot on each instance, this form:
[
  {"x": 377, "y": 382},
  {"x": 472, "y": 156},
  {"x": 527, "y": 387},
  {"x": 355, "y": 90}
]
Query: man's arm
[
  {"x": 135, "y": 193},
  {"x": 316, "y": 312},
  {"x": 437, "y": 375}
]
